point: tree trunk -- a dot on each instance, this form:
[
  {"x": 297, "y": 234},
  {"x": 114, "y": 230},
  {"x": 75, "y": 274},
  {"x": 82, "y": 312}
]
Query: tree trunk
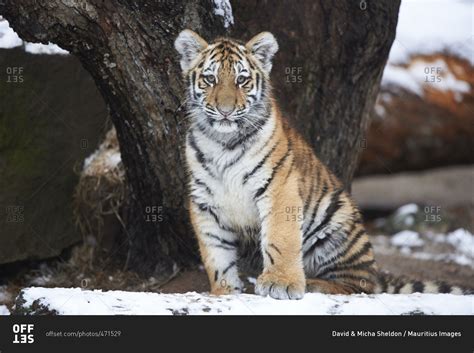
[
  {"x": 340, "y": 48},
  {"x": 328, "y": 69}
]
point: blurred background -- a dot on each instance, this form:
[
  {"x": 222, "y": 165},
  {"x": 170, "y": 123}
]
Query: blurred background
[{"x": 60, "y": 162}]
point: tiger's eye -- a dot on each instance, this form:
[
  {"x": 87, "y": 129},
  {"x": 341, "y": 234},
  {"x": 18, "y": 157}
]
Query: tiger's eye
[
  {"x": 241, "y": 79},
  {"x": 210, "y": 79}
]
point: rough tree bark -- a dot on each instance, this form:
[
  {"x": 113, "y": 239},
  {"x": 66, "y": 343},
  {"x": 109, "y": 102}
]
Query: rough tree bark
[
  {"x": 327, "y": 72},
  {"x": 341, "y": 48}
]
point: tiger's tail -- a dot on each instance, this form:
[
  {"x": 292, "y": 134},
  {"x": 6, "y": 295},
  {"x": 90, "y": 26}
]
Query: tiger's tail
[{"x": 389, "y": 283}]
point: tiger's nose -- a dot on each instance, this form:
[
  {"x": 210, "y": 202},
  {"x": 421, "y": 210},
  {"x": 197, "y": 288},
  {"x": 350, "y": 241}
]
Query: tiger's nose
[{"x": 225, "y": 110}]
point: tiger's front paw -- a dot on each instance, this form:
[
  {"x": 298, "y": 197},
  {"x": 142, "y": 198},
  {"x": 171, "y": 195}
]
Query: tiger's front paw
[{"x": 280, "y": 286}]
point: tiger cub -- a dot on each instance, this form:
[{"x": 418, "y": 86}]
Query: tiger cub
[{"x": 250, "y": 170}]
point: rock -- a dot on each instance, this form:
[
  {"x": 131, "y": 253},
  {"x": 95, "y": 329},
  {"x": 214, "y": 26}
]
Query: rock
[
  {"x": 441, "y": 195},
  {"x": 51, "y": 122},
  {"x": 419, "y": 124}
]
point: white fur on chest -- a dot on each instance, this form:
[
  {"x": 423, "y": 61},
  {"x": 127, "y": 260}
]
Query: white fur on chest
[
  {"x": 232, "y": 199},
  {"x": 236, "y": 203}
]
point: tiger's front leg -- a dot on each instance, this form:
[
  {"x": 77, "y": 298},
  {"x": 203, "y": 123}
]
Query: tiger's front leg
[
  {"x": 280, "y": 210},
  {"x": 218, "y": 249}
]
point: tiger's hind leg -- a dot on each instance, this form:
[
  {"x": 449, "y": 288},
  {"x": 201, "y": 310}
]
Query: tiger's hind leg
[
  {"x": 358, "y": 284},
  {"x": 358, "y": 275},
  {"x": 328, "y": 287},
  {"x": 348, "y": 266}
]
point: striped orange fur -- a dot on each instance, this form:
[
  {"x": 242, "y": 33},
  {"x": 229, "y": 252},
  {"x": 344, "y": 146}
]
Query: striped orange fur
[{"x": 252, "y": 175}]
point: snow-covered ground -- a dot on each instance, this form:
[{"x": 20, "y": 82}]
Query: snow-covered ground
[
  {"x": 75, "y": 301},
  {"x": 456, "y": 246}
]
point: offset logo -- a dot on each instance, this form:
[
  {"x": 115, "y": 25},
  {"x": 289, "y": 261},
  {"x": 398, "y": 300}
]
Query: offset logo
[{"x": 23, "y": 333}]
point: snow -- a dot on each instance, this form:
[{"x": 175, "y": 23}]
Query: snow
[
  {"x": 4, "y": 297},
  {"x": 429, "y": 26},
  {"x": 50, "y": 48},
  {"x": 406, "y": 214},
  {"x": 407, "y": 238},
  {"x": 10, "y": 39},
  {"x": 105, "y": 158},
  {"x": 417, "y": 76},
  {"x": 114, "y": 159},
  {"x": 400, "y": 77},
  {"x": 109, "y": 159},
  {"x": 75, "y": 301},
  {"x": 462, "y": 240},
  {"x": 88, "y": 160},
  {"x": 4, "y": 310},
  {"x": 427, "y": 246},
  {"x": 380, "y": 110},
  {"x": 448, "y": 82},
  {"x": 223, "y": 8},
  {"x": 407, "y": 209}
]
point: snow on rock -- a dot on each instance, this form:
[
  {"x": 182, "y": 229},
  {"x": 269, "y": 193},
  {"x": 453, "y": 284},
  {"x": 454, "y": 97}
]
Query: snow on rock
[
  {"x": 427, "y": 26},
  {"x": 447, "y": 80},
  {"x": 400, "y": 77},
  {"x": 224, "y": 9},
  {"x": 50, "y": 49},
  {"x": 10, "y": 39},
  {"x": 4, "y": 310},
  {"x": 421, "y": 74},
  {"x": 407, "y": 238},
  {"x": 75, "y": 301}
]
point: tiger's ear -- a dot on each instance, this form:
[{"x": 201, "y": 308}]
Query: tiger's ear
[
  {"x": 189, "y": 44},
  {"x": 263, "y": 46}
]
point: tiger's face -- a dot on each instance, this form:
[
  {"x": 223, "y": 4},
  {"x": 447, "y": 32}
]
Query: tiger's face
[{"x": 228, "y": 82}]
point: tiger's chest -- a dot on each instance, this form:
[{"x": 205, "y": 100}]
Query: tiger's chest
[
  {"x": 235, "y": 202},
  {"x": 221, "y": 186}
]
